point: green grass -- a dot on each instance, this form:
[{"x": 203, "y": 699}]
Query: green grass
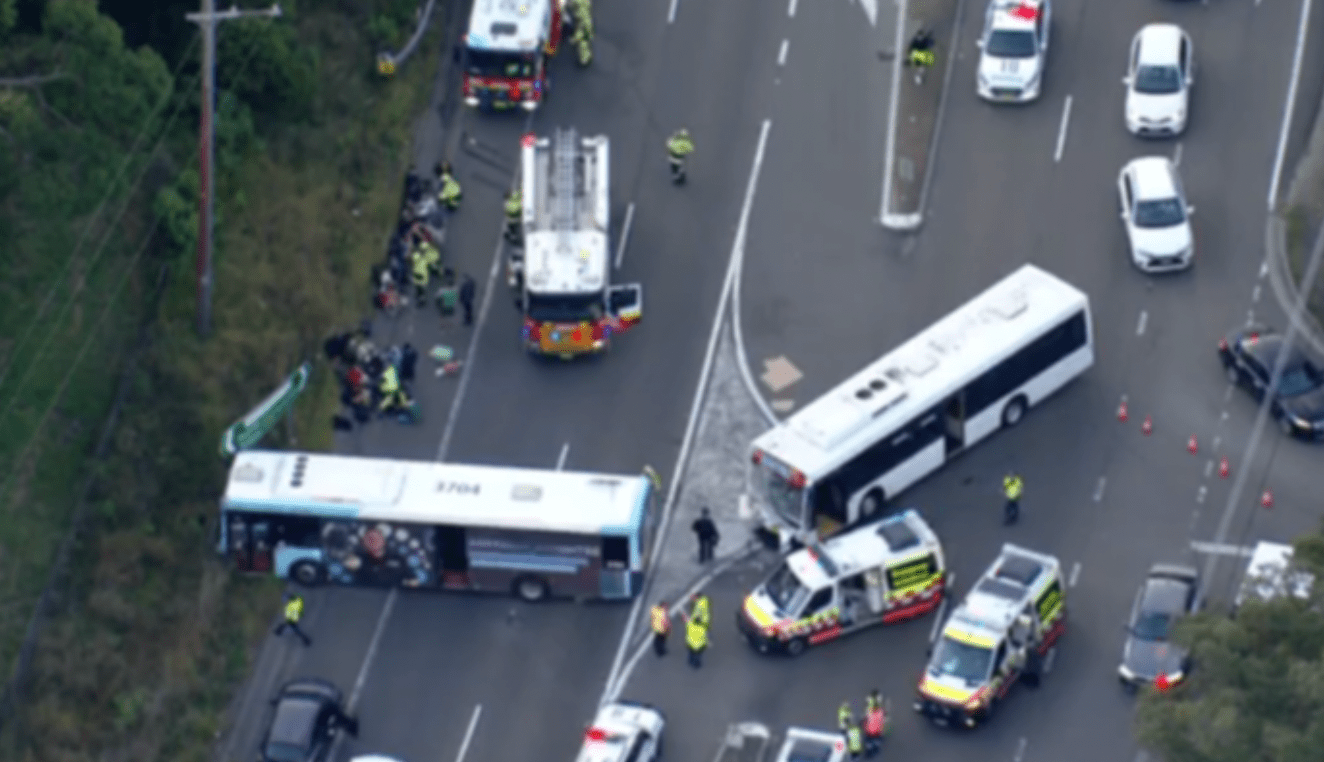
[{"x": 155, "y": 633}]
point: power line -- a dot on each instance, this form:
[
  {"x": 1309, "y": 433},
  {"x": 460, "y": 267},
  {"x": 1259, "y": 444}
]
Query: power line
[{"x": 87, "y": 229}]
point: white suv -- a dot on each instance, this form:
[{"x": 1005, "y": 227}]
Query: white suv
[
  {"x": 1158, "y": 81},
  {"x": 1156, "y": 215},
  {"x": 1013, "y": 48}
]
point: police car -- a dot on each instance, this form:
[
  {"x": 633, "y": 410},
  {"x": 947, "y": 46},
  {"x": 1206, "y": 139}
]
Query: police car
[
  {"x": 1013, "y": 49},
  {"x": 624, "y": 730},
  {"x": 806, "y": 745}
]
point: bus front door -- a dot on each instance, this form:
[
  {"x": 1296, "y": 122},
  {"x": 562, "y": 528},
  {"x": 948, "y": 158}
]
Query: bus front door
[
  {"x": 954, "y": 424},
  {"x": 249, "y": 542},
  {"x": 454, "y": 549},
  {"x": 615, "y": 580}
]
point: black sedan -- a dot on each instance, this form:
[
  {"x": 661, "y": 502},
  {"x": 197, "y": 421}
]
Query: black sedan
[
  {"x": 1167, "y": 595},
  {"x": 307, "y": 714},
  {"x": 1298, "y": 404}
]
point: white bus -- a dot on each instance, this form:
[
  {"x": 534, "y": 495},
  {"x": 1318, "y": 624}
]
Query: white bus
[
  {"x": 843, "y": 456},
  {"x": 363, "y": 521}
]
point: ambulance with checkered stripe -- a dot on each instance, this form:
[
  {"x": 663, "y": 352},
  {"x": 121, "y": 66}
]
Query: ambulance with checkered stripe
[
  {"x": 1001, "y": 634},
  {"x": 883, "y": 572},
  {"x": 624, "y": 730}
]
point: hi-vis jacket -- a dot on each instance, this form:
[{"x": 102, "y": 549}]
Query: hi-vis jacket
[{"x": 881, "y": 573}]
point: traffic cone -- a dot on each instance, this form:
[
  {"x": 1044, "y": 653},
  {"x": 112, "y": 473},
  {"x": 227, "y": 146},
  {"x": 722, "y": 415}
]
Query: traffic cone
[
  {"x": 1266, "y": 500},
  {"x": 1191, "y": 446},
  {"x": 1147, "y": 427},
  {"x": 1121, "y": 411},
  {"x": 1223, "y": 468}
]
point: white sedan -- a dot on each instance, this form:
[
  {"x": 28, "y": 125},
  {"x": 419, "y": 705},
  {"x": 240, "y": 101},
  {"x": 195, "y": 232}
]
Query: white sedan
[
  {"x": 1158, "y": 81},
  {"x": 1156, "y": 215}
]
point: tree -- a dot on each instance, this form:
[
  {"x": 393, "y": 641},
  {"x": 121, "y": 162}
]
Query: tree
[{"x": 1256, "y": 693}]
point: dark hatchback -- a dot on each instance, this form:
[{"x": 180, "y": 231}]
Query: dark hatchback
[
  {"x": 1248, "y": 358},
  {"x": 1168, "y": 594},
  {"x": 306, "y": 716}
]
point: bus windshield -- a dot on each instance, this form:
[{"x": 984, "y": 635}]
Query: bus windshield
[
  {"x": 786, "y": 590},
  {"x": 498, "y": 63},
  {"x": 777, "y": 492},
  {"x": 565, "y": 308}
]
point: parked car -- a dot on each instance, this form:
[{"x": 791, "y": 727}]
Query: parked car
[
  {"x": 1248, "y": 358},
  {"x": 307, "y": 714},
  {"x": 1156, "y": 215},
  {"x": 1158, "y": 81},
  {"x": 1167, "y": 595}
]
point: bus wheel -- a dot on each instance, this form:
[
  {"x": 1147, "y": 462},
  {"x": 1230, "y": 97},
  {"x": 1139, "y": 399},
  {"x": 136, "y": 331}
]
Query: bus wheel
[
  {"x": 871, "y": 505},
  {"x": 531, "y": 589},
  {"x": 795, "y": 647},
  {"x": 307, "y": 573},
  {"x": 1013, "y": 412}
]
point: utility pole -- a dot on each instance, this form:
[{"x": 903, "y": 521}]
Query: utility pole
[{"x": 207, "y": 20}]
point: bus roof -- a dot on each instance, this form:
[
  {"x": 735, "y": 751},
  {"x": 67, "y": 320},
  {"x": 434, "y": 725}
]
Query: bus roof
[
  {"x": 515, "y": 25},
  {"x": 435, "y": 493},
  {"x": 919, "y": 374}
]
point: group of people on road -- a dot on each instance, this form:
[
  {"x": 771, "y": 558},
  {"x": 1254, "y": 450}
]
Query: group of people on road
[
  {"x": 864, "y": 739},
  {"x": 372, "y": 381},
  {"x": 698, "y": 618}
]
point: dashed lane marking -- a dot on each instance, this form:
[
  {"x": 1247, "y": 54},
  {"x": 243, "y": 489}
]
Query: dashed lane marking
[
  {"x": 1142, "y": 322},
  {"x": 1062, "y": 130},
  {"x": 790, "y": 9},
  {"x": 781, "y": 54},
  {"x": 1020, "y": 750},
  {"x": 625, "y": 234},
  {"x": 469, "y": 733},
  {"x": 1075, "y": 575},
  {"x": 560, "y": 459},
  {"x": 1099, "y": 488}
]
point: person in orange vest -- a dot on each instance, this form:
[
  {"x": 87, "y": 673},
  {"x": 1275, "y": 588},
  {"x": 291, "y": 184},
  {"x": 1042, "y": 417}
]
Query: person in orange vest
[
  {"x": 661, "y": 620},
  {"x": 875, "y": 723}
]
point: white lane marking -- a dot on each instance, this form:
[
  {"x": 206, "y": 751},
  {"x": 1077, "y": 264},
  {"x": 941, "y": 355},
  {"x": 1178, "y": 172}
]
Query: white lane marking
[
  {"x": 1098, "y": 488},
  {"x": 1289, "y": 107},
  {"x": 372, "y": 650},
  {"x": 625, "y": 234},
  {"x": 781, "y": 54},
  {"x": 1255, "y": 294},
  {"x": 1222, "y": 416},
  {"x": 1140, "y": 324},
  {"x": 1020, "y": 750},
  {"x": 469, "y": 733},
  {"x": 1227, "y": 395},
  {"x": 1201, "y": 494},
  {"x": 691, "y": 425},
  {"x": 893, "y": 103},
  {"x": 1062, "y": 130},
  {"x": 1250, "y": 318},
  {"x": 790, "y": 9},
  {"x": 1176, "y": 155},
  {"x": 671, "y": 14},
  {"x": 1049, "y": 659},
  {"x": 1075, "y": 575},
  {"x": 1264, "y": 268},
  {"x": 938, "y": 620},
  {"x": 1221, "y": 548},
  {"x": 560, "y": 459},
  {"x": 1208, "y": 468},
  {"x": 1219, "y": 440}
]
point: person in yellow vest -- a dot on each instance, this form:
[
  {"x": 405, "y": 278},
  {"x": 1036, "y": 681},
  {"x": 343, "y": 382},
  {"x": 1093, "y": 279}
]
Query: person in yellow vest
[
  {"x": 292, "y": 614},
  {"x": 514, "y": 216},
  {"x": 1012, "y": 487},
  {"x": 420, "y": 274},
  {"x": 661, "y": 622},
  {"x": 389, "y": 386},
  {"x": 696, "y": 639},
  {"x": 843, "y": 716},
  {"x": 583, "y": 42},
  {"x": 431, "y": 256},
  {"x": 701, "y": 609},
  {"x": 451, "y": 194},
  {"x": 854, "y": 741}
]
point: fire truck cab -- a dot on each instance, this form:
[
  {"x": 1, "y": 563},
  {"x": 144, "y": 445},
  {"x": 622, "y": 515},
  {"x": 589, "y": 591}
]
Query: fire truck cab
[
  {"x": 561, "y": 273},
  {"x": 504, "y": 55}
]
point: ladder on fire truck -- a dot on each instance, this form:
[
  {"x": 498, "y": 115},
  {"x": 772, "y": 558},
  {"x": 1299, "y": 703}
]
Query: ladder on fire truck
[{"x": 565, "y": 189}]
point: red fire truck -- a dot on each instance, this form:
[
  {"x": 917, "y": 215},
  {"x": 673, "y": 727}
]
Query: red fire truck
[{"x": 505, "y": 53}]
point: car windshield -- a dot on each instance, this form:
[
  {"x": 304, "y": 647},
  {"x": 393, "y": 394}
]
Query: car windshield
[
  {"x": 777, "y": 492},
  {"x": 786, "y": 590},
  {"x": 1299, "y": 380},
  {"x": 1152, "y": 625},
  {"x": 1158, "y": 80},
  {"x": 1008, "y": 43},
  {"x": 1162, "y": 213},
  {"x": 565, "y": 308},
  {"x": 285, "y": 752},
  {"x": 953, "y": 658},
  {"x": 488, "y": 63}
]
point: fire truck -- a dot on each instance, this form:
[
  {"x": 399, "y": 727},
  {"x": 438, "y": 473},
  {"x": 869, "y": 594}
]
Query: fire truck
[
  {"x": 505, "y": 53},
  {"x": 561, "y": 271}
]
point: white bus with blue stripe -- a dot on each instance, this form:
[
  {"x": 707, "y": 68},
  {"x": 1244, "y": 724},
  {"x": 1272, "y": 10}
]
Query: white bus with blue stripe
[{"x": 332, "y": 519}]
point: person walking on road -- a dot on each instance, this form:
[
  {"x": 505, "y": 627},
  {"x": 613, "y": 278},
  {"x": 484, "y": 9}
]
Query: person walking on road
[
  {"x": 854, "y": 741},
  {"x": 467, "y": 289},
  {"x": 843, "y": 716},
  {"x": 920, "y": 54},
  {"x": 514, "y": 216},
  {"x": 679, "y": 147},
  {"x": 701, "y": 609},
  {"x": 706, "y": 532},
  {"x": 293, "y": 613},
  {"x": 1012, "y": 487},
  {"x": 661, "y": 620},
  {"x": 451, "y": 194},
  {"x": 696, "y": 639},
  {"x": 875, "y": 723}
]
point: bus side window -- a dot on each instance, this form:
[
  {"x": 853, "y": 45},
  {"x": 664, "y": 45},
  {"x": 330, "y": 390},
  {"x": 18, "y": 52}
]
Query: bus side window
[
  {"x": 616, "y": 552},
  {"x": 298, "y": 531},
  {"x": 1026, "y": 364}
]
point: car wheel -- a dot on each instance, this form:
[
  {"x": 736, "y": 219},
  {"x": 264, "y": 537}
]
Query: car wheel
[
  {"x": 796, "y": 646},
  {"x": 1233, "y": 377},
  {"x": 307, "y": 573},
  {"x": 871, "y": 505},
  {"x": 531, "y": 589},
  {"x": 1014, "y": 411}
]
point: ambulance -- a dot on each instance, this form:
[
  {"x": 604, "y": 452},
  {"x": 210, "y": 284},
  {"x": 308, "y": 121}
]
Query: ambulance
[
  {"x": 1001, "y": 633},
  {"x": 624, "y": 731},
  {"x": 504, "y": 56},
  {"x": 562, "y": 273},
  {"x": 884, "y": 572}
]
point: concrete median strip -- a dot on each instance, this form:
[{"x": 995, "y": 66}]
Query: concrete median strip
[{"x": 916, "y": 110}]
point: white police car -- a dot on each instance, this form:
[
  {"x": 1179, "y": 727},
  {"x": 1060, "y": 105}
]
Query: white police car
[
  {"x": 624, "y": 730},
  {"x": 1013, "y": 49},
  {"x": 805, "y": 745}
]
